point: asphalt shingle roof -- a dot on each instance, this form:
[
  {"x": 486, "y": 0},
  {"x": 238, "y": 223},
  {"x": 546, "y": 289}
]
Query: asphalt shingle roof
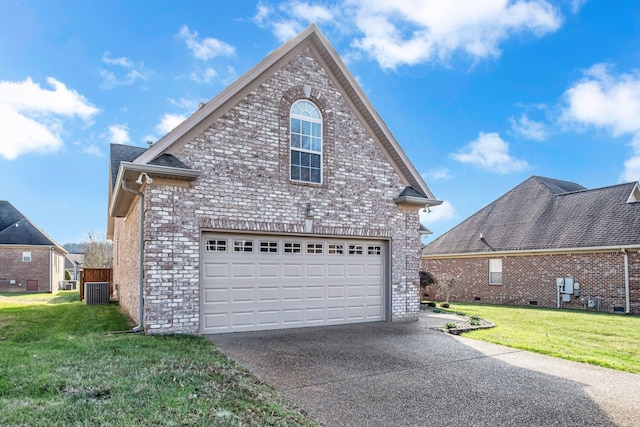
[
  {"x": 544, "y": 213},
  {"x": 16, "y": 229},
  {"x": 128, "y": 153}
]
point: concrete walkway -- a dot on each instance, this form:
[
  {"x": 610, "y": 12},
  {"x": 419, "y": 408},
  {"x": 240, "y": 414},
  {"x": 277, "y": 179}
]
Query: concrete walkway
[{"x": 408, "y": 374}]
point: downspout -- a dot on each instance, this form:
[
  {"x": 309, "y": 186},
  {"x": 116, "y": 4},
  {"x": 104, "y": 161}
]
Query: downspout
[
  {"x": 140, "y": 326},
  {"x": 627, "y": 305}
]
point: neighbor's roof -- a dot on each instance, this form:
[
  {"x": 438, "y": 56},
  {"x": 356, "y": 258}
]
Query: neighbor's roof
[
  {"x": 16, "y": 229},
  {"x": 544, "y": 213},
  {"x": 313, "y": 37}
]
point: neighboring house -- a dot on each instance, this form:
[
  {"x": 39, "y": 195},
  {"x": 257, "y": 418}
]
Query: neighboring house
[
  {"x": 73, "y": 264},
  {"x": 514, "y": 250},
  {"x": 30, "y": 261},
  {"x": 283, "y": 202}
]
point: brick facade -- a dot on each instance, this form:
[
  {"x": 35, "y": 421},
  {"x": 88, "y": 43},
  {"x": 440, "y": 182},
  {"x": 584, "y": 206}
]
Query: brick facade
[
  {"x": 532, "y": 278},
  {"x": 243, "y": 156},
  {"x": 46, "y": 267}
]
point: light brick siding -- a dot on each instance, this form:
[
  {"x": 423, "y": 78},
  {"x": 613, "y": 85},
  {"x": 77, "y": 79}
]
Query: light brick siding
[
  {"x": 125, "y": 261},
  {"x": 244, "y": 185},
  {"x": 533, "y": 278},
  {"x": 45, "y": 267}
]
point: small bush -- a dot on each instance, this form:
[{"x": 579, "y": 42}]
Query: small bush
[
  {"x": 444, "y": 305},
  {"x": 450, "y": 325},
  {"x": 474, "y": 322}
]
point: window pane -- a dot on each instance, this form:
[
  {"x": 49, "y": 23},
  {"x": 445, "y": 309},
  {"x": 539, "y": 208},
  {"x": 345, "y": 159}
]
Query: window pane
[
  {"x": 295, "y": 140},
  {"x": 315, "y": 175},
  {"x": 315, "y": 129},
  {"x": 305, "y": 174},
  {"x": 306, "y": 128},
  {"x": 295, "y": 126},
  {"x": 315, "y": 144},
  {"x": 306, "y": 142},
  {"x": 314, "y": 161},
  {"x": 295, "y": 157},
  {"x": 295, "y": 172},
  {"x": 304, "y": 159}
]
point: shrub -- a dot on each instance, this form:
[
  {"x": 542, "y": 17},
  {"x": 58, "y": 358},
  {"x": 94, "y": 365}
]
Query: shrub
[
  {"x": 444, "y": 305},
  {"x": 450, "y": 325}
]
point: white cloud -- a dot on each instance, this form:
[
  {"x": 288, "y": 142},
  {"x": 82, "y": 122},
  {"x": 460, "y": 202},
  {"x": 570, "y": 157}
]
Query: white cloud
[
  {"x": 412, "y": 32},
  {"x": 443, "y": 212},
  {"x": 93, "y": 150},
  {"x": 490, "y": 152},
  {"x": 529, "y": 129},
  {"x": 169, "y": 122},
  {"x": 33, "y": 117},
  {"x": 207, "y": 75},
  {"x": 119, "y": 134},
  {"x": 291, "y": 17},
  {"x": 133, "y": 72},
  {"x": 437, "y": 174},
  {"x": 206, "y": 48},
  {"x": 609, "y": 102}
]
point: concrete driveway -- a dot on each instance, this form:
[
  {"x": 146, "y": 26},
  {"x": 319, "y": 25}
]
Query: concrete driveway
[{"x": 407, "y": 374}]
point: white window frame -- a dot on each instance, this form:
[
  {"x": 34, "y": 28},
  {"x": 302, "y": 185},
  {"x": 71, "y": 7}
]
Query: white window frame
[
  {"x": 305, "y": 111},
  {"x": 216, "y": 245},
  {"x": 374, "y": 250},
  {"x": 495, "y": 271},
  {"x": 26, "y": 256},
  {"x": 292, "y": 248},
  {"x": 356, "y": 249},
  {"x": 336, "y": 249},
  {"x": 315, "y": 248},
  {"x": 242, "y": 245},
  {"x": 268, "y": 247}
]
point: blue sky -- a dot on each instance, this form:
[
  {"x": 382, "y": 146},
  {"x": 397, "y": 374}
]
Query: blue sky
[{"x": 481, "y": 94}]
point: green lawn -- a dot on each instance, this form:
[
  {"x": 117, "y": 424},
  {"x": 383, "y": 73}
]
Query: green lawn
[
  {"x": 603, "y": 339},
  {"x": 58, "y": 367}
]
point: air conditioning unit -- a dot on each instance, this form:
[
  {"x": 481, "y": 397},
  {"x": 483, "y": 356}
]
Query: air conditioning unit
[{"x": 96, "y": 293}]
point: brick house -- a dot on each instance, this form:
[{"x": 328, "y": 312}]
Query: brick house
[
  {"x": 283, "y": 202},
  {"x": 30, "y": 261},
  {"x": 514, "y": 250}
]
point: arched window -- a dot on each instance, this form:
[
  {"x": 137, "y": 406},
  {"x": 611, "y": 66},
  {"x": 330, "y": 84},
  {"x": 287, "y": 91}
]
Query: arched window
[{"x": 306, "y": 142}]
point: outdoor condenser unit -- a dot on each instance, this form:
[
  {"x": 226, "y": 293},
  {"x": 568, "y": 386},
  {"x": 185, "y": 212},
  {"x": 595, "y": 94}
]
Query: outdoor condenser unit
[{"x": 96, "y": 293}]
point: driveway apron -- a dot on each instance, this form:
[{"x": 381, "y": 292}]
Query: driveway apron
[{"x": 408, "y": 374}]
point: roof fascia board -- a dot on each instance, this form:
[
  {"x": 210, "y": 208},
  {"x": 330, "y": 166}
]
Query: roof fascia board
[{"x": 558, "y": 251}]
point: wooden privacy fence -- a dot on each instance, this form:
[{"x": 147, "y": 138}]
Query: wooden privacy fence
[{"x": 96, "y": 275}]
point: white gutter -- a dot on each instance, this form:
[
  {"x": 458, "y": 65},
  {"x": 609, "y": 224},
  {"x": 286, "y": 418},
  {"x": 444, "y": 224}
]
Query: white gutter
[
  {"x": 140, "y": 326},
  {"x": 627, "y": 305}
]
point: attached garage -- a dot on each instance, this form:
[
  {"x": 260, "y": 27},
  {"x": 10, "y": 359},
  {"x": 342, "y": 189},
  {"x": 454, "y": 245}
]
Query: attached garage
[{"x": 258, "y": 282}]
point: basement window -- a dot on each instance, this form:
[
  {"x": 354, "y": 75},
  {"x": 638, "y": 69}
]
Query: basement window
[{"x": 495, "y": 271}]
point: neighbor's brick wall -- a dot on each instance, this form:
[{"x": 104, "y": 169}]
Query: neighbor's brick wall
[
  {"x": 533, "y": 278},
  {"x": 12, "y": 267},
  {"x": 243, "y": 157}
]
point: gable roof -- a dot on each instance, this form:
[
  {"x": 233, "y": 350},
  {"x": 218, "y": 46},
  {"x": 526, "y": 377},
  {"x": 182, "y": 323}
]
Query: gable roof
[
  {"x": 547, "y": 214},
  {"x": 312, "y": 37},
  {"x": 16, "y": 229}
]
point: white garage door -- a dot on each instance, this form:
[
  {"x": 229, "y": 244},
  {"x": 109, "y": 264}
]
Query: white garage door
[{"x": 251, "y": 283}]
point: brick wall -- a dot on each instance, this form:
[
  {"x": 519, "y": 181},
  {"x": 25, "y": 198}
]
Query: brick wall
[
  {"x": 41, "y": 268},
  {"x": 126, "y": 270},
  {"x": 533, "y": 277},
  {"x": 244, "y": 160}
]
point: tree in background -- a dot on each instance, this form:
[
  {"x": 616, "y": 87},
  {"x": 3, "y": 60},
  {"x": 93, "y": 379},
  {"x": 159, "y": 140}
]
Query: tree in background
[{"x": 98, "y": 252}]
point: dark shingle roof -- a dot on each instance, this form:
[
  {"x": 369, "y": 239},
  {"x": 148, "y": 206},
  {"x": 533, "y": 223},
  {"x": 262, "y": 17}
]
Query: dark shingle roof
[
  {"x": 128, "y": 153},
  {"x": 16, "y": 229},
  {"x": 543, "y": 213}
]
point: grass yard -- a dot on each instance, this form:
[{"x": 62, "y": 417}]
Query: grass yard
[
  {"x": 603, "y": 339},
  {"x": 59, "y": 368}
]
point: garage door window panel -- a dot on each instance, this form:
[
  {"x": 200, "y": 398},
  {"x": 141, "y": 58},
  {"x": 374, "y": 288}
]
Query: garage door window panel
[
  {"x": 269, "y": 247},
  {"x": 336, "y": 249},
  {"x": 315, "y": 248},
  {"x": 356, "y": 249},
  {"x": 213, "y": 245},
  {"x": 243, "y": 246},
  {"x": 292, "y": 248}
]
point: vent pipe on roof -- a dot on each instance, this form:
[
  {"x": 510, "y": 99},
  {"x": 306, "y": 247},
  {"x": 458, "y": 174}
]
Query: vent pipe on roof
[{"x": 140, "y": 327}]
